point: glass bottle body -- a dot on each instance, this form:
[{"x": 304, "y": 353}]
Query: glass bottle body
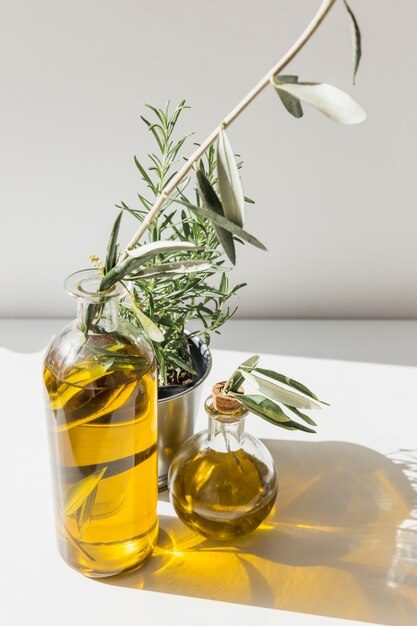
[
  {"x": 223, "y": 481},
  {"x": 101, "y": 391}
]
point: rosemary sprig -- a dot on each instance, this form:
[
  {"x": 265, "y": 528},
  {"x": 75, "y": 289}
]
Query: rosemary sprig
[{"x": 178, "y": 273}]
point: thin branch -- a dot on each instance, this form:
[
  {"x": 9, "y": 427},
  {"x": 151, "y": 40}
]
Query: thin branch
[{"x": 247, "y": 100}]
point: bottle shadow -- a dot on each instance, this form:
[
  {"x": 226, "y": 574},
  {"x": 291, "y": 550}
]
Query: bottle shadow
[{"x": 332, "y": 545}]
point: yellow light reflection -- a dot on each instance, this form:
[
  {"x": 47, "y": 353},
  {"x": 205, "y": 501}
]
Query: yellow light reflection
[{"x": 328, "y": 547}]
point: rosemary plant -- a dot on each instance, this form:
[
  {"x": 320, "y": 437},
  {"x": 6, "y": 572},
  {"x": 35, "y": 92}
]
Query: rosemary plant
[{"x": 160, "y": 302}]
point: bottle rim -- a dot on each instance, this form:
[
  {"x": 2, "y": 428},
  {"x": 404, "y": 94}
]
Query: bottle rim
[
  {"x": 227, "y": 418},
  {"x": 84, "y": 285}
]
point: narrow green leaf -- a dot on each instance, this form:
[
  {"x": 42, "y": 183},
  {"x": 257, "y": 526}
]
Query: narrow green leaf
[
  {"x": 249, "y": 200},
  {"x": 146, "y": 203},
  {"x": 269, "y": 411},
  {"x": 261, "y": 406},
  {"x": 149, "y": 327},
  {"x": 185, "y": 225},
  {"x": 136, "y": 214},
  {"x": 303, "y": 416},
  {"x": 288, "y": 381},
  {"x": 135, "y": 360},
  {"x": 231, "y": 191},
  {"x": 80, "y": 491},
  {"x": 153, "y": 130},
  {"x": 140, "y": 256},
  {"x": 169, "y": 269},
  {"x": 111, "y": 258},
  {"x": 278, "y": 393},
  {"x": 116, "y": 253},
  {"x": 356, "y": 41},
  {"x": 111, "y": 348},
  {"x": 212, "y": 202},
  {"x": 182, "y": 364},
  {"x": 150, "y": 250},
  {"x": 158, "y": 112},
  {"x": 144, "y": 174},
  {"x": 83, "y": 514},
  {"x": 224, "y": 283},
  {"x": 331, "y": 101},
  {"x": 236, "y": 288},
  {"x": 118, "y": 272},
  {"x": 113, "y": 402},
  {"x": 236, "y": 379},
  {"x": 167, "y": 220},
  {"x": 292, "y": 104},
  {"x": 224, "y": 223}
]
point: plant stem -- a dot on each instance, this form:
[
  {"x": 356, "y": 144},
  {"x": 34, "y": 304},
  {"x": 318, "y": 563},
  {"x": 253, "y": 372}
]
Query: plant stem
[{"x": 247, "y": 100}]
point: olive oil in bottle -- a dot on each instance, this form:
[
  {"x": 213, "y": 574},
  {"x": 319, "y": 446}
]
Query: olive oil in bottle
[
  {"x": 101, "y": 391},
  {"x": 223, "y": 481}
]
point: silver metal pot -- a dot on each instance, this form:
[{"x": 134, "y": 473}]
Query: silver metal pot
[{"x": 177, "y": 408}]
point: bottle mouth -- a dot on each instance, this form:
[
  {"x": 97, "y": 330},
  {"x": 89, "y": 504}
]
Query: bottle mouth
[
  {"x": 84, "y": 285},
  {"x": 228, "y": 414}
]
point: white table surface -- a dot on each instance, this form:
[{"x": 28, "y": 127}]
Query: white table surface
[{"x": 340, "y": 545}]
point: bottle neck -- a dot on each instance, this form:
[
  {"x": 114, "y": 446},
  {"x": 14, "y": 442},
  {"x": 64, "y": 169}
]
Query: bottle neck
[
  {"x": 103, "y": 316},
  {"x": 226, "y": 428},
  {"x": 226, "y": 435},
  {"x": 97, "y": 310}
]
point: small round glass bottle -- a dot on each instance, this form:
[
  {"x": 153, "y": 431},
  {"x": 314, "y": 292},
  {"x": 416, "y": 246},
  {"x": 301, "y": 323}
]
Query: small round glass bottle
[
  {"x": 101, "y": 404},
  {"x": 223, "y": 481}
]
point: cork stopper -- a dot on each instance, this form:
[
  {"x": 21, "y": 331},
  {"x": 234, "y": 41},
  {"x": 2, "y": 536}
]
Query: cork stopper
[{"x": 223, "y": 403}]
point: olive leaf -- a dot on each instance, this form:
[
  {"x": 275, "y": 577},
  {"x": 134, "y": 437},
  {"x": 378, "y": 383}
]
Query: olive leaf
[
  {"x": 278, "y": 393},
  {"x": 212, "y": 201},
  {"x": 236, "y": 379},
  {"x": 269, "y": 411},
  {"x": 150, "y": 250},
  {"x": 303, "y": 416},
  {"x": 287, "y": 381},
  {"x": 231, "y": 192},
  {"x": 79, "y": 492},
  {"x": 149, "y": 327},
  {"x": 83, "y": 514},
  {"x": 110, "y": 358},
  {"x": 76, "y": 543},
  {"x": 356, "y": 39},
  {"x": 291, "y": 103},
  {"x": 223, "y": 222},
  {"x": 83, "y": 375},
  {"x": 111, "y": 256},
  {"x": 115, "y": 400},
  {"x": 123, "y": 362},
  {"x": 327, "y": 99},
  {"x": 141, "y": 255},
  {"x": 169, "y": 269},
  {"x": 115, "y": 347}
]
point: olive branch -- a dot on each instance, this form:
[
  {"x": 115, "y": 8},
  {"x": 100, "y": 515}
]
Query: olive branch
[
  {"x": 353, "y": 114},
  {"x": 227, "y": 212},
  {"x": 217, "y": 215}
]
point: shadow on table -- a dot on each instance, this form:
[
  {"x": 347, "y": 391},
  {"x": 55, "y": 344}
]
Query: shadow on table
[{"x": 341, "y": 541}]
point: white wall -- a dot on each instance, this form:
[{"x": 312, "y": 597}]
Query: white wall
[{"x": 335, "y": 205}]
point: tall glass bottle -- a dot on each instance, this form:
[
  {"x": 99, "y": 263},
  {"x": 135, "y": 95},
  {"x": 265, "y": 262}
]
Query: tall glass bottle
[
  {"x": 223, "y": 481},
  {"x": 101, "y": 403}
]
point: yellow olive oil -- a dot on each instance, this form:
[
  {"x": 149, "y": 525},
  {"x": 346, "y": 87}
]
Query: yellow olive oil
[
  {"x": 222, "y": 495},
  {"x": 102, "y": 429}
]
